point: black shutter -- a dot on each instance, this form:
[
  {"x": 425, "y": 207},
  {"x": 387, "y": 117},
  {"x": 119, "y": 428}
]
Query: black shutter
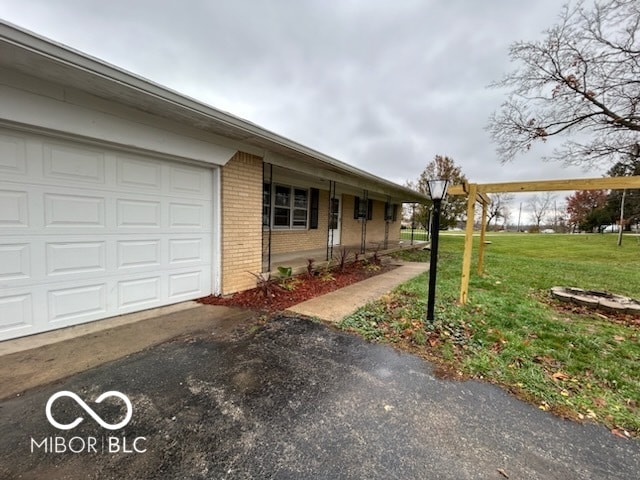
[
  {"x": 315, "y": 205},
  {"x": 356, "y": 208},
  {"x": 370, "y": 210},
  {"x": 395, "y": 212}
]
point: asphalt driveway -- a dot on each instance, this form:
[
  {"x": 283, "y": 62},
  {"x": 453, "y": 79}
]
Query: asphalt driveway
[{"x": 295, "y": 399}]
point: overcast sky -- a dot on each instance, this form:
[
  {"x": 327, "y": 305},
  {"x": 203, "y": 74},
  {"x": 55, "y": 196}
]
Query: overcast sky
[{"x": 382, "y": 85}]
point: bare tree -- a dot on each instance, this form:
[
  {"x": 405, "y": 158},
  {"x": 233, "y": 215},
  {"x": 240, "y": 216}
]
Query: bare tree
[
  {"x": 540, "y": 205},
  {"x": 498, "y": 207},
  {"x": 583, "y": 78}
]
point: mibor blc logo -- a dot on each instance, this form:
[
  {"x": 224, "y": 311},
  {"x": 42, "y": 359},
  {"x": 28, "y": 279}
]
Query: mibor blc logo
[{"x": 91, "y": 444}]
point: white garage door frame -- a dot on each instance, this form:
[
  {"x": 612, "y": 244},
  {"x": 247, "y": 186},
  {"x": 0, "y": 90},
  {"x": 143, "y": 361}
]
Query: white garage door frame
[{"x": 47, "y": 281}]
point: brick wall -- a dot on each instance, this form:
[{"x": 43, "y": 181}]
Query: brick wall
[{"x": 241, "y": 222}]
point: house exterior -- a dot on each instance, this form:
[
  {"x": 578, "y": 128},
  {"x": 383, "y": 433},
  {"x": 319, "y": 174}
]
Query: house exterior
[{"x": 118, "y": 195}]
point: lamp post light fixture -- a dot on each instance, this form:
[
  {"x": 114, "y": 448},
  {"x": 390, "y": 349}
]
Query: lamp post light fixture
[{"x": 437, "y": 191}]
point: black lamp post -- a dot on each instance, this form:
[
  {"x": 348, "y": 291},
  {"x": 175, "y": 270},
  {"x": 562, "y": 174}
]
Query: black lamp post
[{"x": 437, "y": 191}]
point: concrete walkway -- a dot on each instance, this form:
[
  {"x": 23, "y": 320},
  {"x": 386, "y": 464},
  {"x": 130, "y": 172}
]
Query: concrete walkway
[{"x": 334, "y": 306}]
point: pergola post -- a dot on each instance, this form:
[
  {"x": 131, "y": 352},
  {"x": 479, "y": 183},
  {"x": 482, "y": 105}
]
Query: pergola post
[
  {"x": 483, "y": 231},
  {"x": 468, "y": 243}
]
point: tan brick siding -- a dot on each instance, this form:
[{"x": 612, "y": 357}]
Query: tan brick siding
[{"x": 241, "y": 222}]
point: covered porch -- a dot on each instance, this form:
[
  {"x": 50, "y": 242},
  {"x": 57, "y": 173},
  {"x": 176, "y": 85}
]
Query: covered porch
[{"x": 327, "y": 212}]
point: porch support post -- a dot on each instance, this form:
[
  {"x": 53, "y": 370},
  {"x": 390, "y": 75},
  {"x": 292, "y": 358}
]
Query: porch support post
[
  {"x": 332, "y": 196},
  {"x": 387, "y": 219},
  {"x": 267, "y": 267},
  {"x": 468, "y": 244},
  {"x": 363, "y": 236}
]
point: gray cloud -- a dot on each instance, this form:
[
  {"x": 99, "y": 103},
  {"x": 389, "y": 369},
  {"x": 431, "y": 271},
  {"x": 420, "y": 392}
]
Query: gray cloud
[{"x": 381, "y": 85}]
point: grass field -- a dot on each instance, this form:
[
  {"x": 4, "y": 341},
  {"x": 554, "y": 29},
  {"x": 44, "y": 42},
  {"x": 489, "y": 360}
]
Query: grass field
[{"x": 583, "y": 366}]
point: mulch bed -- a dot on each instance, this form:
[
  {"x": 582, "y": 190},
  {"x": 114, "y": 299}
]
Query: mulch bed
[{"x": 283, "y": 294}]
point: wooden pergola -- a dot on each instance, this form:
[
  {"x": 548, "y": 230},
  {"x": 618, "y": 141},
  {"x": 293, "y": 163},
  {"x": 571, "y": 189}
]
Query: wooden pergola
[{"x": 478, "y": 193}]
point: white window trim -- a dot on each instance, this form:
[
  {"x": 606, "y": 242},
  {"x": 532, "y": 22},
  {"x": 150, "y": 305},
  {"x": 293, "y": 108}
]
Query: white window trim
[{"x": 291, "y": 208}]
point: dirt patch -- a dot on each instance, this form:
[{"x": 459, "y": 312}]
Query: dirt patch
[
  {"x": 281, "y": 294},
  {"x": 622, "y": 318}
]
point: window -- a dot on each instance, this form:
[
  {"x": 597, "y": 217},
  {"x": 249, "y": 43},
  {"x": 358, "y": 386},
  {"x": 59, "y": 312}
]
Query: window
[
  {"x": 290, "y": 206},
  {"x": 300, "y": 208},
  {"x": 391, "y": 212},
  {"x": 282, "y": 207},
  {"x": 362, "y": 209}
]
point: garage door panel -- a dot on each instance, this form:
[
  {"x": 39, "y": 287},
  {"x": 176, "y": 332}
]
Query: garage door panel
[
  {"x": 191, "y": 215},
  {"x": 14, "y": 209},
  {"x": 139, "y": 174},
  {"x": 71, "y": 163},
  {"x": 71, "y": 258},
  {"x": 188, "y": 180},
  {"x": 12, "y": 155},
  {"x": 185, "y": 284},
  {"x": 16, "y": 312},
  {"x": 15, "y": 261},
  {"x": 139, "y": 292},
  {"x": 187, "y": 250},
  {"x": 133, "y": 213},
  {"x": 74, "y": 211},
  {"x": 82, "y": 302},
  {"x": 138, "y": 253}
]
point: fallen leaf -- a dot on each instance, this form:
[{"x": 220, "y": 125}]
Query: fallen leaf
[
  {"x": 620, "y": 433},
  {"x": 600, "y": 402},
  {"x": 618, "y": 338},
  {"x": 560, "y": 376},
  {"x": 564, "y": 393},
  {"x": 503, "y": 473},
  {"x": 388, "y": 408}
]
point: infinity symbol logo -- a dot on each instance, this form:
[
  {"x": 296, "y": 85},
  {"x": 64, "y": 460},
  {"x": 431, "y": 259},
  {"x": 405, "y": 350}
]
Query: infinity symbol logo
[{"x": 94, "y": 415}]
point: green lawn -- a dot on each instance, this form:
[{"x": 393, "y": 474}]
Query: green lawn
[{"x": 582, "y": 366}]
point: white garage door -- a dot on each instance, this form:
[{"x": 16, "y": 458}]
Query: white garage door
[{"x": 87, "y": 233}]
